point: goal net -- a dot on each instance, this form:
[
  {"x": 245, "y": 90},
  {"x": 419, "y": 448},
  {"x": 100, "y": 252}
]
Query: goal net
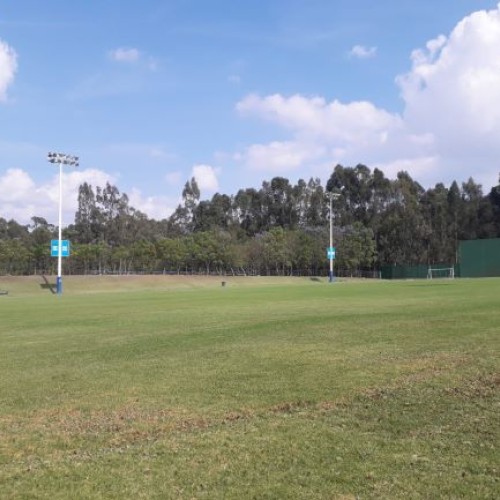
[{"x": 441, "y": 272}]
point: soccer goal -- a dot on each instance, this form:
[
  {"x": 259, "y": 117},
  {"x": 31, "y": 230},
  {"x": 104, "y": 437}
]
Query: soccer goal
[{"x": 441, "y": 272}]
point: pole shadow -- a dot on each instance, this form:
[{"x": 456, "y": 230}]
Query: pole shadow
[{"x": 46, "y": 285}]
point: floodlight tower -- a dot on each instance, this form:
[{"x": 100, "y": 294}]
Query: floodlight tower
[
  {"x": 61, "y": 159},
  {"x": 333, "y": 196}
]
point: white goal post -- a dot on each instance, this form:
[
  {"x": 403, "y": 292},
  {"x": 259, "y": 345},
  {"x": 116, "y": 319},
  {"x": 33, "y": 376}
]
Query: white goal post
[{"x": 440, "y": 272}]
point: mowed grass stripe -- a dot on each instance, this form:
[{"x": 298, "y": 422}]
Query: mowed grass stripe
[{"x": 180, "y": 391}]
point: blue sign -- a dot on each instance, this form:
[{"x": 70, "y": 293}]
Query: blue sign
[
  {"x": 330, "y": 252},
  {"x": 54, "y": 248}
]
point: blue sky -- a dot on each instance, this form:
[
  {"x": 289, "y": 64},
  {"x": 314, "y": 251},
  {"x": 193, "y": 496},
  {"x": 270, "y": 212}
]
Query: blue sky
[{"x": 151, "y": 93}]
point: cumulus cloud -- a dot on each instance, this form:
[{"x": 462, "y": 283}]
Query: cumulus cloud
[
  {"x": 453, "y": 88},
  {"x": 323, "y": 131},
  {"x": 156, "y": 207},
  {"x": 362, "y": 52},
  {"x": 133, "y": 56},
  {"x": 206, "y": 177},
  {"x": 281, "y": 157},
  {"x": 126, "y": 55},
  {"x": 315, "y": 117},
  {"x": 22, "y": 198},
  {"x": 8, "y": 68},
  {"x": 448, "y": 129}
]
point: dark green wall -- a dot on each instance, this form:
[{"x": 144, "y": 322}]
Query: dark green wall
[{"x": 479, "y": 258}]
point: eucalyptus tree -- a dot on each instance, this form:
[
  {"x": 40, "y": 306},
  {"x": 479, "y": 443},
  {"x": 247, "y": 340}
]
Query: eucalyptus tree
[
  {"x": 14, "y": 230},
  {"x": 216, "y": 213},
  {"x": 88, "y": 223},
  {"x": 282, "y": 208},
  {"x": 470, "y": 224},
  {"x": 310, "y": 204},
  {"x": 114, "y": 213},
  {"x": 354, "y": 183},
  {"x": 441, "y": 241},
  {"x": 494, "y": 198},
  {"x": 403, "y": 234},
  {"x": 248, "y": 208},
  {"x": 182, "y": 218},
  {"x": 381, "y": 196},
  {"x": 455, "y": 209}
]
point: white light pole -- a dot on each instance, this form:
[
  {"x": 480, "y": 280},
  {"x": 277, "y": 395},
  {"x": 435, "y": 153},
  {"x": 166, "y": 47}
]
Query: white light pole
[
  {"x": 333, "y": 196},
  {"x": 61, "y": 159}
]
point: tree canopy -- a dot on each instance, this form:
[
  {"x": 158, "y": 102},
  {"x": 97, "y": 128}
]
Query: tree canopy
[{"x": 280, "y": 228}]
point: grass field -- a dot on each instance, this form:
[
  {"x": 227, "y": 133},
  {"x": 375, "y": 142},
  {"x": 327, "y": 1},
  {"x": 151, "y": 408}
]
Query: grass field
[{"x": 172, "y": 387}]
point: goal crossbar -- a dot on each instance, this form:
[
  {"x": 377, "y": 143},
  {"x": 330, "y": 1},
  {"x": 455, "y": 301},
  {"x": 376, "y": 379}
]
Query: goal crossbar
[{"x": 440, "y": 272}]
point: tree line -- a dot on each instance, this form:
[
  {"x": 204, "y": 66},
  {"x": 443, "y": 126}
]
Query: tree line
[{"x": 280, "y": 228}]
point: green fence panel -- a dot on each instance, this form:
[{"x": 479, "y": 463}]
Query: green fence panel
[{"x": 479, "y": 258}]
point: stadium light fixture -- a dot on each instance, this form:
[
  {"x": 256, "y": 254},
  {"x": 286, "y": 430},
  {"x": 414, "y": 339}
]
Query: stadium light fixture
[
  {"x": 73, "y": 161},
  {"x": 333, "y": 196}
]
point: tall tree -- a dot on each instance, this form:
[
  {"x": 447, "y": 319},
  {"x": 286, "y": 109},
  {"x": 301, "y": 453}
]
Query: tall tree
[
  {"x": 472, "y": 194},
  {"x": 249, "y": 210},
  {"x": 114, "y": 210},
  {"x": 183, "y": 216},
  {"x": 87, "y": 215},
  {"x": 494, "y": 198},
  {"x": 441, "y": 241}
]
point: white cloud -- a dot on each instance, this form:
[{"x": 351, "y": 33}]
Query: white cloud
[
  {"x": 133, "y": 56},
  {"x": 206, "y": 177},
  {"x": 449, "y": 127},
  {"x": 419, "y": 167},
  {"x": 156, "y": 207},
  {"x": 453, "y": 92},
  {"x": 315, "y": 117},
  {"x": 453, "y": 87},
  {"x": 21, "y": 198},
  {"x": 126, "y": 55},
  {"x": 15, "y": 185},
  {"x": 8, "y": 68},
  {"x": 321, "y": 131},
  {"x": 362, "y": 52},
  {"x": 281, "y": 157}
]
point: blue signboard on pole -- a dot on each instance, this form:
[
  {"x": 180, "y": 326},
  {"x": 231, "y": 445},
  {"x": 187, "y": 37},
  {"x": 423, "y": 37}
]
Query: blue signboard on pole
[
  {"x": 54, "y": 248},
  {"x": 330, "y": 252}
]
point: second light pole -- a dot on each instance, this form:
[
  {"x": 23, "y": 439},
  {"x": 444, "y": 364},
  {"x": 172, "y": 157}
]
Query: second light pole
[{"x": 331, "y": 254}]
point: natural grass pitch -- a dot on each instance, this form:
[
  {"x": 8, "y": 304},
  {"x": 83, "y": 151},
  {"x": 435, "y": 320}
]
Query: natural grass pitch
[{"x": 166, "y": 387}]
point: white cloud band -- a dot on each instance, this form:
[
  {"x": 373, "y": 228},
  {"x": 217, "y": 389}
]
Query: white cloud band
[
  {"x": 449, "y": 128},
  {"x": 8, "y": 68}
]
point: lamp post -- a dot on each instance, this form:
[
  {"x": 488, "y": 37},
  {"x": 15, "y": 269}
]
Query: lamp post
[
  {"x": 333, "y": 196},
  {"x": 61, "y": 159}
]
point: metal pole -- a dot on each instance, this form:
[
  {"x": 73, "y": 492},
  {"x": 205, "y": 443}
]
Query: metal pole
[
  {"x": 59, "y": 251},
  {"x": 61, "y": 159},
  {"x": 330, "y": 272}
]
